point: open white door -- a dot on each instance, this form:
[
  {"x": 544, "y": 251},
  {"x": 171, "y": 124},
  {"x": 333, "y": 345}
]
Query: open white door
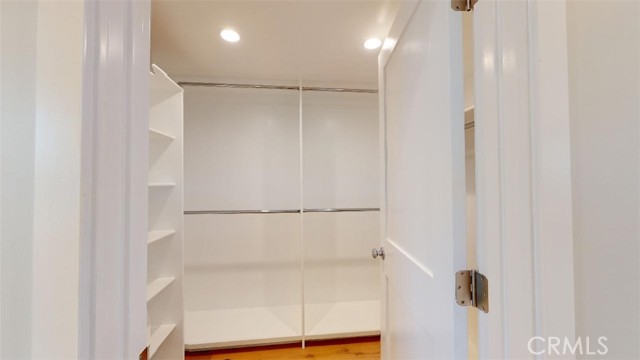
[{"x": 423, "y": 222}]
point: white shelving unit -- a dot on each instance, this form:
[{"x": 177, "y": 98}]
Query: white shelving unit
[{"x": 165, "y": 238}]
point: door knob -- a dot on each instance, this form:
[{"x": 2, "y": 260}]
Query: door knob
[{"x": 378, "y": 252}]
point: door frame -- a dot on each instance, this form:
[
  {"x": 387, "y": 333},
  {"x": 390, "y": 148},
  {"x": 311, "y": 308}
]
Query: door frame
[
  {"x": 114, "y": 180},
  {"x": 523, "y": 174},
  {"x": 524, "y": 236}
]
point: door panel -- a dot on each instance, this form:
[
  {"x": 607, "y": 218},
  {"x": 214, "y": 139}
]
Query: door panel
[{"x": 425, "y": 237}]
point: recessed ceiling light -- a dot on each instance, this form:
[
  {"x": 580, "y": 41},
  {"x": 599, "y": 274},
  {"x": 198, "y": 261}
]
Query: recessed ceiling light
[
  {"x": 230, "y": 35},
  {"x": 372, "y": 44}
]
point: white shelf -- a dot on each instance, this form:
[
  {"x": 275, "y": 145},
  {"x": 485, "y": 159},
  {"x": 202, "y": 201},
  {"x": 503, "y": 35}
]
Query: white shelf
[
  {"x": 160, "y": 185},
  {"x": 241, "y": 327},
  {"x": 157, "y": 286},
  {"x": 161, "y": 82},
  {"x": 278, "y": 324},
  {"x": 342, "y": 319},
  {"x": 159, "y": 235},
  {"x": 160, "y": 136},
  {"x": 158, "y": 337}
]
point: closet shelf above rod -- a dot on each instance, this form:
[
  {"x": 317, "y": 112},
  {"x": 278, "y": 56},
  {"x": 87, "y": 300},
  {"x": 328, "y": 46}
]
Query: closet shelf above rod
[{"x": 290, "y": 211}]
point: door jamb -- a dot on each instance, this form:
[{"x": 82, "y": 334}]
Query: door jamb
[{"x": 524, "y": 235}]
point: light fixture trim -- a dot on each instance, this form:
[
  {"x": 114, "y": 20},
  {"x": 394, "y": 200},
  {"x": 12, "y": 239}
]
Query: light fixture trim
[
  {"x": 372, "y": 44},
  {"x": 230, "y": 35}
]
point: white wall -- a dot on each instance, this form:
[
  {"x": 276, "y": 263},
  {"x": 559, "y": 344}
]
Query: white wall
[
  {"x": 604, "y": 76},
  {"x": 241, "y": 149},
  {"x": 338, "y": 263},
  {"x": 242, "y": 153},
  {"x": 18, "y": 101},
  {"x": 57, "y": 179},
  {"x": 41, "y": 115},
  {"x": 340, "y": 149}
]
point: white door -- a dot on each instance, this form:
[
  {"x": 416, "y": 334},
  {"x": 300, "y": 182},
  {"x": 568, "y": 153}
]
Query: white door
[{"x": 424, "y": 236}]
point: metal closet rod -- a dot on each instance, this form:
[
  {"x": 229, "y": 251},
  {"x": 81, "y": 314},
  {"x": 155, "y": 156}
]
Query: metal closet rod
[
  {"x": 341, "y": 210},
  {"x": 276, "y": 87},
  {"x": 287, "y": 211}
]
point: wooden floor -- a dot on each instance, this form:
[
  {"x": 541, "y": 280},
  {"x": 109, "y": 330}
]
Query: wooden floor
[{"x": 360, "y": 349}]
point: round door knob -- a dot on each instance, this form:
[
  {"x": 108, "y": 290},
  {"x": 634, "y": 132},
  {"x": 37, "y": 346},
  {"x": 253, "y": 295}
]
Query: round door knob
[{"x": 378, "y": 252}]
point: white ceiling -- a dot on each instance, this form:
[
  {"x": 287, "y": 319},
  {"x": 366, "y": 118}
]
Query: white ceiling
[{"x": 319, "y": 42}]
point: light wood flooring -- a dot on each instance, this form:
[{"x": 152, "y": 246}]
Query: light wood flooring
[{"x": 359, "y": 349}]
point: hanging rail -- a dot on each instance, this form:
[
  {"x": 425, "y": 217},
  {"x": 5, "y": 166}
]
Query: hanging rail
[
  {"x": 343, "y": 90},
  {"x": 340, "y": 210},
  {"x": 238, "y": 86},
  {"x": 276, "y": 87},
  {"x": 288, "y": 211},
  {"x": 233, "y": 212}
]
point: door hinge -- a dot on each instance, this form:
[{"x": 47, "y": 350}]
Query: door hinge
[
  {"x": 472, "y": 289},
  {"x": 463, "y": 5}
]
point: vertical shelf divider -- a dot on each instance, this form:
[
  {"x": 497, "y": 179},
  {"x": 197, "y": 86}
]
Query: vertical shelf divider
[{"x": 302, "y": 255}]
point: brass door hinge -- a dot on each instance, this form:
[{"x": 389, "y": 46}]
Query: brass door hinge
[
  {"x": 463, "y": 5},
  {"x": 472, "y": 289}
]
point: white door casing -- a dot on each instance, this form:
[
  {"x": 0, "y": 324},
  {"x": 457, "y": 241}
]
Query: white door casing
[
  {"x": 423, "y": 212},
  {"x": 523, "y": 181},
  {"x": 114, "y": 184}
]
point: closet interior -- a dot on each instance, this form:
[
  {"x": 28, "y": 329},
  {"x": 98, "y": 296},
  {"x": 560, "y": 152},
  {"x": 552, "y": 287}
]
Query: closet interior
[
  {"x": 280, "y": 213},
  {"x": 263, "y": 173},
  {"x": 281, "y": 210}
]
